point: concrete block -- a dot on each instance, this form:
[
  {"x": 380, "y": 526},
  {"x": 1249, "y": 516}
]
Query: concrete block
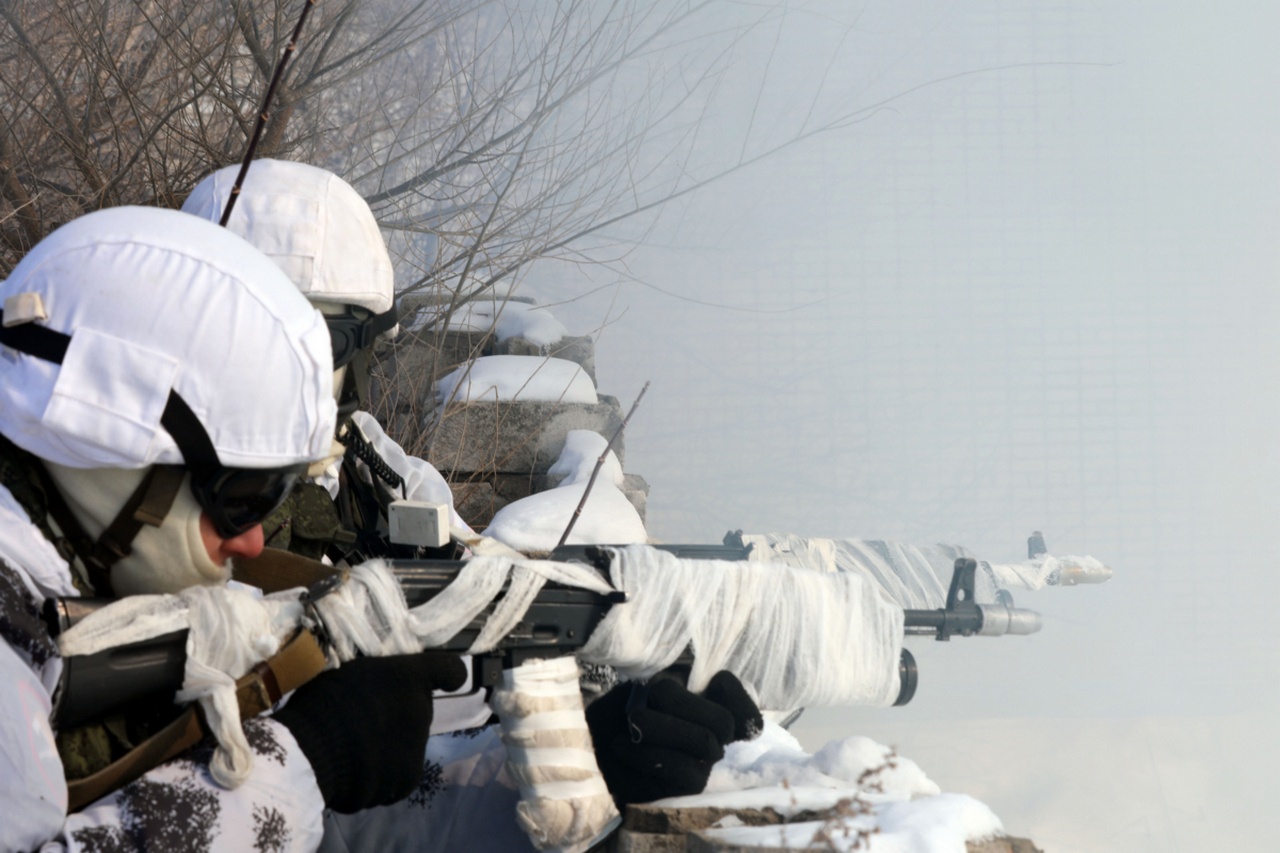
[
  {"x": 403, "y": 375},
  {"x": 636, "y": 490},
  {"x": 515, "y": 437},
  {"x": 640, "y": 842},
  {"x": 423, "y": 357},
  {"x": 476, "y": 502},
  {"x": 662, "y": 820},
  {"x": 697, "y": 842},
  {"x": 1006, "y": 844},
  {"x": 581, "y": 350},
  {"x": 513, "y": 487}
]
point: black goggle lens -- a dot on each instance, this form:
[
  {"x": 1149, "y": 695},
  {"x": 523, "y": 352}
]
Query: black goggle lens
[{"x": 236, "y": 499}]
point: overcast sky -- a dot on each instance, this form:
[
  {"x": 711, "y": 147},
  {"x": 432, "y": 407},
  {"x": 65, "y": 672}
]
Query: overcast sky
[{"x": 1040, "y": 296}]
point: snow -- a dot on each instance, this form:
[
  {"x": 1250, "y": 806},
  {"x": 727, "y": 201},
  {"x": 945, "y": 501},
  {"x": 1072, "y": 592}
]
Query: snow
[
  {"x": 897, "y": 808},
  {"x": 506, "y": 317},
  {"x": 582, "y": 449},
  {"x": 536, "y": 523},
  {"x": 534, "y": 324},
  {"x": 475, "y": 316},
  {"x": 505, "y": 378}
]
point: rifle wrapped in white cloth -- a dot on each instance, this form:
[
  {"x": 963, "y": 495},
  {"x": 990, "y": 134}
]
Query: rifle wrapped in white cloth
[{"x": 794, "y": 636}]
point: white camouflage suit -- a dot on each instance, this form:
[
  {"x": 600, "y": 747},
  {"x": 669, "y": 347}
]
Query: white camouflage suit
[
  {"x": 466, "y": 800},
  {"x": 118, "y": 286},
  {"x": 176, "y": 806}
]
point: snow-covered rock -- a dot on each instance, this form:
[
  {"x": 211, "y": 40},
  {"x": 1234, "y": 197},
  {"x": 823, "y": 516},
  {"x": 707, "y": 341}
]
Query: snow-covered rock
[
  {"x": 498, "y": 378},
  {"x": 537, "y": 522},
  {"x": 534, "y": 324}
]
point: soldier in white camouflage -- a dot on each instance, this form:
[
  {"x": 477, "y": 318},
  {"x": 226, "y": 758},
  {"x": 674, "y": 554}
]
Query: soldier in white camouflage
[{"x": 162, "y": 386}]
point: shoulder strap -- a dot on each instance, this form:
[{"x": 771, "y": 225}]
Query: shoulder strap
[
  {"x": 274, "y": 570},
  {"x": 298, "y": 662}
]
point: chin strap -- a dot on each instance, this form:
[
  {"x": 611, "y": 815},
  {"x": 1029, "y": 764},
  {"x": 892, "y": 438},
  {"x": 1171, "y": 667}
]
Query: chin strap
[
  {"x": 151, "y": 501},
  {"x": 148, "y": 505}
]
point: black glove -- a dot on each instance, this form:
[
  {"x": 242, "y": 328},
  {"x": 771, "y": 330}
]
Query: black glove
[
  {"x": 364, "y": 725},
  {"x": 659, "y": 740}
]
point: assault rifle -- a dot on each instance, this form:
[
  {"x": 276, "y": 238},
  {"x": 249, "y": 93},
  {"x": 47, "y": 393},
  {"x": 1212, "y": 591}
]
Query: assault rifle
[{"x": 557, "y": 623}]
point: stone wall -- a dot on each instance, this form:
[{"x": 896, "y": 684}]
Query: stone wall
[{"x": 492, "y": 453}]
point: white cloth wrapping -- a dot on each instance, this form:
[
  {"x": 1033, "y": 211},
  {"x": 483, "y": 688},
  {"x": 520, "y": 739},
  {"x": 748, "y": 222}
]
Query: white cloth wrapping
[
  {"x": 564, "y": 802},
  {"x": 479, "y": 583},
  {"x": 230, "y": 630},
  {"x": 793, "y": 636},
  {"x": 918, "y": 576},
  {"x": 1047, "y": 570},
  {"x": 915, "y": 576}
]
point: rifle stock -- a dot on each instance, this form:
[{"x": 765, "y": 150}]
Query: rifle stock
[{"x": 558, "y": 622}]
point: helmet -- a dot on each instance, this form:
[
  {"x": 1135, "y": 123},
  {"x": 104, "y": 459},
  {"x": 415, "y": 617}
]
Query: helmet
[
  {"x": 313, "y": 224},
  {"x": 319, "y": 230},
  {"x": 138, "y": 337}
]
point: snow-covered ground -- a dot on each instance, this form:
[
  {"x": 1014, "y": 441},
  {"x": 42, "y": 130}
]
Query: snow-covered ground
[
  {"x": 884, "y": 802},
  {"x": 1089, "y": 784},
  {"x": 496, "y": 311}
]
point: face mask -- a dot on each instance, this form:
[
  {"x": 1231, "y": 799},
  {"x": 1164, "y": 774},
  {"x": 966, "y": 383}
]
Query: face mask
[{"x": 167, "y": 558}]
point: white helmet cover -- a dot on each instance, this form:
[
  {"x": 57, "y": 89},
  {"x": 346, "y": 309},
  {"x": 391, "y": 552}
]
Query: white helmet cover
[
  {"x": 154, "y": 301},
  {"x": 310, "y": 222}
]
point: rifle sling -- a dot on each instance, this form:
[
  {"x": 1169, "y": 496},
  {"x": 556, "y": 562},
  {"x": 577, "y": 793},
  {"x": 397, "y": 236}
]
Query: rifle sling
[
  {"x": 275, "y": 570},
  {"x": 300, "y": 660}
]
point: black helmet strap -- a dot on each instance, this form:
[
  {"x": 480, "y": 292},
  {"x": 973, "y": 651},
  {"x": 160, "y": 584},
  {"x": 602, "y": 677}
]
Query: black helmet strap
[{"x": 152, "y": 499}]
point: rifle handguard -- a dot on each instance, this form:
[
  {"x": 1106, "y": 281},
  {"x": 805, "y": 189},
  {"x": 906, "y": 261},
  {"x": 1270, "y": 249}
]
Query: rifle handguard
[{"x": 297, "y": 662}]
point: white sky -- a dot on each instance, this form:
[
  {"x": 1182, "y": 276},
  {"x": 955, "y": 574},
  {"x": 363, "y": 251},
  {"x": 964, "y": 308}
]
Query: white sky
[{"x": 1043, "y": 297}]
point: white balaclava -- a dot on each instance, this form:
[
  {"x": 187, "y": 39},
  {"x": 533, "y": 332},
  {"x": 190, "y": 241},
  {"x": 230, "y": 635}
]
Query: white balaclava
[
  {"x": 168, "y": 558},
  {"x": 148, "y": 308}
]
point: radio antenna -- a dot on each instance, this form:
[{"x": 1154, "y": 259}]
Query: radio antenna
[{"x": 264, "y": 114}]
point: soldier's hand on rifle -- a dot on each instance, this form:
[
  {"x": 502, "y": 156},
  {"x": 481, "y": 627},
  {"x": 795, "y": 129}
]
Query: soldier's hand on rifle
[
  {"x": 364, "y": 726},
  {"x": 659, "y": 740}
]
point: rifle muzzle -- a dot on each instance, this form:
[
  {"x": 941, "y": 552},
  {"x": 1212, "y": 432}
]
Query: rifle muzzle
[{"x": 998, "y": 620}]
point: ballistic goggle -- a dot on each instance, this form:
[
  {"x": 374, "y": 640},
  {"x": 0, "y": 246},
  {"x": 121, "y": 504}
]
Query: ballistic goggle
[
  {"x": 235, "y": 498},
  {"x": 356, "y": 330}
]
